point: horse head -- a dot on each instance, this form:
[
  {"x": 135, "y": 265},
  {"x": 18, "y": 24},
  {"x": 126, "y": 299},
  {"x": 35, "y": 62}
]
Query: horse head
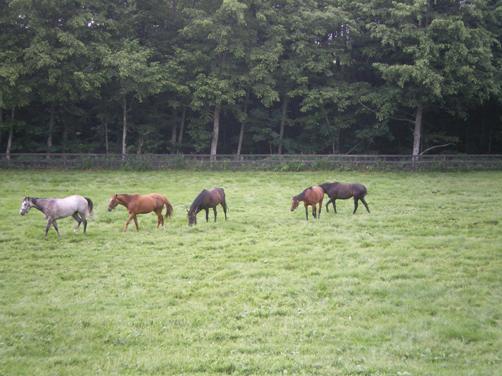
[
  {"x": 294, "y": 203},
  {"x": 192, "y": 217},
  {"x": 113, "y": 203},
  {"x": 26, "y": 205}
]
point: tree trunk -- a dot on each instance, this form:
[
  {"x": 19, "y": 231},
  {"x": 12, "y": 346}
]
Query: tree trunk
[
  {"x": 241, "y": 138},
  {"x": 490, "y": 139},
  {"x": 124, "y": 127},
  {"x": 106, "y": 137},
  {"x": 11, "y": 133},
  {"x": 417, "y": 132},
  {"x": 65, "y": 137},
  {"x": 243, "y": 125},
  {"x": 141, "y": 142},
  {"x": 173, "y": 137},
  {"x": 182, "y": 127},
  {"x": 51, "y": 129},
  {"x": 216, "y": 131},
  {"x": 283, "y": 123},
  {"x": 338, "y": 136}
]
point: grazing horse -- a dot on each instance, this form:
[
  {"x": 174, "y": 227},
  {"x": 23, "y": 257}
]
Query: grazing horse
[
  {"x": 344, "y": 191},
  {"x": 142, "y": 204},
  {"x": 78, "y": 207},
  {"x": 206, "y": 200},
  {"x": 310, "y": 196}
]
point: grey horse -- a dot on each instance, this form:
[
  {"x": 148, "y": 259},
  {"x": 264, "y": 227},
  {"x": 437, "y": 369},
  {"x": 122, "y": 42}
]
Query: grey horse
[{"x": 78, "y": 207}]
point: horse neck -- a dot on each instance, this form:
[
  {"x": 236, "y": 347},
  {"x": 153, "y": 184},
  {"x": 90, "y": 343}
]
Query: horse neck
[
  {"x": 325, "y": 186},
  {"x": 124, "y": 199},
  {"x": 196, "y": 204},
  {"x": 38, "y": 203},
  {"x": 300, "y": 197},
  {"x": 194, "y": 209}
]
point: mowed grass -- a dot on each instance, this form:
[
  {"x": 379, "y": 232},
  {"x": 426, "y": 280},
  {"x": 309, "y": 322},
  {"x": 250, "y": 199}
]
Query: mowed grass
[{"x": 414, "y": 288}]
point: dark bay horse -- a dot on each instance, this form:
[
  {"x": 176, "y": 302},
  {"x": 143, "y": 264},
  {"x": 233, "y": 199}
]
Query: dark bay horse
[
  {"x": 206, "y": 200},
  {"x": 344, "y": 191},
  {"x": 142, "y": 204},
  {"x": 310, "y": 196},
  {"x": 78, "y": 207}
]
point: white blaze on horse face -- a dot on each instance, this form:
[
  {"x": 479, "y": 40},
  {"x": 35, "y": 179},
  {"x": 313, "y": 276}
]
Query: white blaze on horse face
[{"x": 25, "y": 207}]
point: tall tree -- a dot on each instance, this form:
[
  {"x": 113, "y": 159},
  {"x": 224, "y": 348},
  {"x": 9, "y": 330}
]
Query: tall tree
[
  {"x": 135, "y": 76},
  {"x": 430, "y": 57},
  {"x": 215, "y": 35}
]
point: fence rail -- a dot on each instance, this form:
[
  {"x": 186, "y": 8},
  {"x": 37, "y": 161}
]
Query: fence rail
[{"x": 292, "y": 162}]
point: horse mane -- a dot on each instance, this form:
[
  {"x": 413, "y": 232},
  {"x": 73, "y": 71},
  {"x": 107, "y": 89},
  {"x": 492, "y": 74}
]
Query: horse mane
[
  {"x": 301, "y": 196},
  {"x": 198, "y": 200},
  {"x": 34, "y": 202},
  {"x": 326, "y": 186}
]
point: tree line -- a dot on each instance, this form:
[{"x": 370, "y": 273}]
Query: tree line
[{"x": 251, "y": 76}]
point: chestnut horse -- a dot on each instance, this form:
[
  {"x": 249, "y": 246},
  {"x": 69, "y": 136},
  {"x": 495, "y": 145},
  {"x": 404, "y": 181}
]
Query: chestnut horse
[
  {"x": 344, "y": 191},
  {"x": 142, "y": 204},
  {"x": 310, "y": 196},
  {"x": 206, "y": 200}
]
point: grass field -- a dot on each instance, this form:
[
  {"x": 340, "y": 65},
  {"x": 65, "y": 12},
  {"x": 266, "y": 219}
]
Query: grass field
[{"x": 414, "y": 288}]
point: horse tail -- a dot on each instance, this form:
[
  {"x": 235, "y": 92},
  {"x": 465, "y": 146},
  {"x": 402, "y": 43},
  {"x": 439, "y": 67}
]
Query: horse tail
[
  {"x": 169, "y": 208},
  {"x": 224, "y": 199},
  {"x": 365, "y": 191},
  {"x": 90, "y": 205},
  {"x": 361, "y": 190}
]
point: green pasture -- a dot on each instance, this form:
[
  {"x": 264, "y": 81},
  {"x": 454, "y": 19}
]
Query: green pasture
[{"x": 414, "y": 288}]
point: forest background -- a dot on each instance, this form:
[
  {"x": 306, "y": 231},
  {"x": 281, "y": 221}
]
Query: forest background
[{"x": 252, "y": 76}]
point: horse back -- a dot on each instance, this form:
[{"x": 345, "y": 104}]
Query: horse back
[
  {"x": 314, "y": 194},
  {"x": 215, "y": 196},
  {"x": 64, "y": 207}
]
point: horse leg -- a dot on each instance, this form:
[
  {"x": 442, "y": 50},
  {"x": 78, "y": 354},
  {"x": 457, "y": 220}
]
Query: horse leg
[
  {"x": 314, "y": 211},
  {"x": 327, "y": 207},
  {"x": 159, "y": 217},
  {"x": 334, "y": 205},
  {"x": 77, "y": 218},
  {"x": 136, "y": 222},
  {"x": 320, "y": 208},
  {"x": 355, "y": 205},
  {"x": 306, "y": 212},
  {"x": 207, "y": 214},
  {"x": 56, "y": 228},
  {"x": 49, "y": 224},
  {"x": 224, "y": 204},
  {"x": 365, "y": 204},
  {"x": 85, "y": 224},
  {"x": 128, "y": 221},
  {"x": 214, "y": 210}
]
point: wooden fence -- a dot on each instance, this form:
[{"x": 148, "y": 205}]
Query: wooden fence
[{"x": 285, "y": 162}]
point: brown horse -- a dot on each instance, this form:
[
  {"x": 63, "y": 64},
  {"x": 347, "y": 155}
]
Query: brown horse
[
  {"x": 310, "y": 196},
  {"x": 343, "y": 191},
  {"x": 206, "y": 200},
  {"x": 142, "y": 204}
]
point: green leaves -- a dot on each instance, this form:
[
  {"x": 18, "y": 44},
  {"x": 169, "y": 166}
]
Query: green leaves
[{"x": 130, "y": 66}]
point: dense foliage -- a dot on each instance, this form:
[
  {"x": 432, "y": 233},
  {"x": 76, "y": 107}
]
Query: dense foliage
[{"x": 251, "y": 76}]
